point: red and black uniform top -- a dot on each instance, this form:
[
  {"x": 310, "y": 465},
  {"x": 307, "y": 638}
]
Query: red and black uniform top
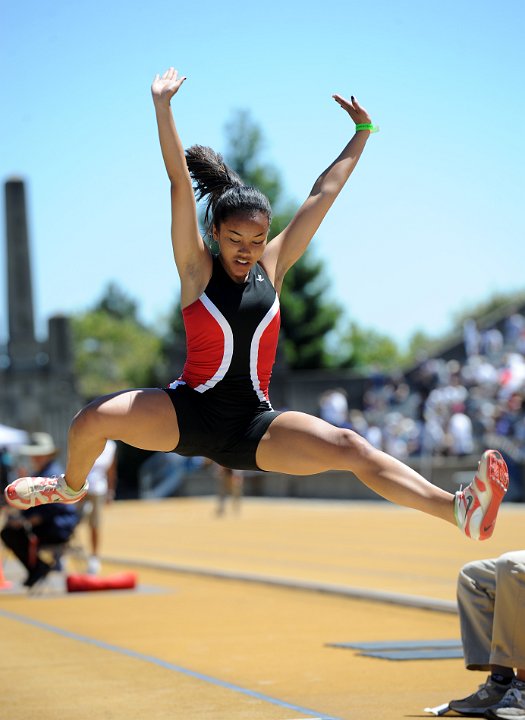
[{"x": 232, "y": 331}]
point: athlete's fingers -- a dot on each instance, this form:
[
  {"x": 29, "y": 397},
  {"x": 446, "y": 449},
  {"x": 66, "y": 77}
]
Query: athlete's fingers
[{"x": 341, "y": 101}]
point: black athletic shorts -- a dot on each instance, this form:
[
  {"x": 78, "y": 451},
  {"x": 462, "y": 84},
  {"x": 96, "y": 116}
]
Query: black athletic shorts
[{"x": 225, "y": 432}]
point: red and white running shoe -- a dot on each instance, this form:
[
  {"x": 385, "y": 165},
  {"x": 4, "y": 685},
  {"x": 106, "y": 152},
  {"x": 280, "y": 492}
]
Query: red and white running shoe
[
  {"x": 28, "y": 492},
  {"x": 476, "y": 507}
]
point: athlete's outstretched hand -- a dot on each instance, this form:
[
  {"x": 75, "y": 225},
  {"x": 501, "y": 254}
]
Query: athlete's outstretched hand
[
  {"x": 165, "y": 87},
  {"x": 353, "y": 108}
]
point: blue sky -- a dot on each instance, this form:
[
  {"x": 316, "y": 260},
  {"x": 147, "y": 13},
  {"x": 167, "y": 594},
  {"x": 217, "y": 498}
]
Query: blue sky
[{"x": 431, "y": 221}]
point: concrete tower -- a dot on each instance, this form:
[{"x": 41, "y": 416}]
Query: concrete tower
[{"x": 22, "y": 346}]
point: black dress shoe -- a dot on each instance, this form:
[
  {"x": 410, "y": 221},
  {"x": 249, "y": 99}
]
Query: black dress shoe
[{"x": 37, "y": 574}]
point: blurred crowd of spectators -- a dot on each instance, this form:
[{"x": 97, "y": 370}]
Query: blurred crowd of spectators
[{"x": 448, "y": 408}]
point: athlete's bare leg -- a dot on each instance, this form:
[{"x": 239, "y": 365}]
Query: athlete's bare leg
[
  {"x": 301, "y": 444},
  {"x": 145, "y": 419}
]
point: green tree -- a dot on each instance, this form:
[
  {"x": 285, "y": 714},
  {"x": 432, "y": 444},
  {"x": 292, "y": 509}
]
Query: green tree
[
  {"x": 420, "y": 345},
  {"x": 307, "y": 317},
  {"x": 117, "y": 303},
  {"x": 486, "y": 313},
  {"x": 365, "y": 349},
  {"x": 493, "y": 305},
  {"x": 113, "y": 350}
]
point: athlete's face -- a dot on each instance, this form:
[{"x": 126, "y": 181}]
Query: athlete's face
[{"x": 241, "y": 239}]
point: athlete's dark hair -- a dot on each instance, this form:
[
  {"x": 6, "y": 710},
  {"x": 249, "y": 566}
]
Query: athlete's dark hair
[{"x": 227, "y": 194}]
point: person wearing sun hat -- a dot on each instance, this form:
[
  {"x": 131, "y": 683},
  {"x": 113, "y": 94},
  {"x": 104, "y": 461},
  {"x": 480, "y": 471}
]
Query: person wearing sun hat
[
  {"x": 50, "y": 524},
  {"x": 40, "y": 445}
]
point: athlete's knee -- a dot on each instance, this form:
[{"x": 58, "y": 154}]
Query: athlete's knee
[
  {"x": 87, "y": 421},
  {"x": 356, "y": 451},
  {"x": 467, "y": 577},
  {"x": 470, "y": 570}
]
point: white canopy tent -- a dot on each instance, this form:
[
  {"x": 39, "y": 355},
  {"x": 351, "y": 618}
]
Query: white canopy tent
[{"x": 11, "y": 437}]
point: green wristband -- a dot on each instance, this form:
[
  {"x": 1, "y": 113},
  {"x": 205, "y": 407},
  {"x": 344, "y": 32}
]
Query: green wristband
[{"x": 367, "y": 126}]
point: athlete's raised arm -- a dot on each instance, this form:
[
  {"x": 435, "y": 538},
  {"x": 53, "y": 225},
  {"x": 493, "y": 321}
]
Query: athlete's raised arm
[
  {"x": 291, "y": 243},
  {"x": 192, "y": 257}
]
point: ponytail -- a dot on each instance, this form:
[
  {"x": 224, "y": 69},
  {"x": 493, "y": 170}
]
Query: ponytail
[{"x": 226, "y": 192}]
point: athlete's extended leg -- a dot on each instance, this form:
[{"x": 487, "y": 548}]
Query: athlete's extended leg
[
  {"x": 301, "y": 444},
  {"x": 143, "y": 418}
]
